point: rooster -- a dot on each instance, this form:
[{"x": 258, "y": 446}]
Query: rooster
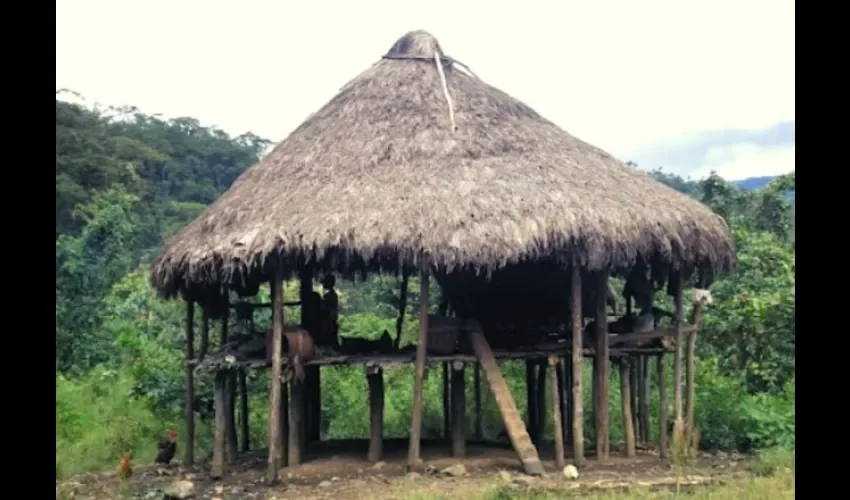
[
  {"x": 125, "y": 468},
  {"x": 167, "y": 448}
]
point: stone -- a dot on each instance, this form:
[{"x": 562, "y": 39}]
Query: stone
[
  {"x": 324, "y": 484},
  {"x": 180, "y": 490},
  {"x": 456, "y": 470}
]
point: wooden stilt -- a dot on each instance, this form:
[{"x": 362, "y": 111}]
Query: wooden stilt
[
  {"x": 678, "y": 285},
  {"x": 313, "y": 407},
  {"x": 189, "y": 454},
  {"x": 220, "y": 435},
  {"x": 577, "y": 403},
  {"x": 419, "y": 376},
  {"x": 557, "y": 422},
  {"x": 402, "y": 308},
  {"x": 562, "y": 399},
  {"x": 283, "y": 435},
  {"x": 507, "y": 406},
  {"x": 375, "y": 379},
  {"x": 296, "y": 421},
  {"x": 244, "y": 422},
  {"x": 205, "y": 333},
  {"x": 447, "y": 403},
  {"x": 458, "y": 397},
  {"x": 602, "y": 356},
  {"x": 634, "y": 377},
  {"x": 663, "y": 448},
  {"x": 645, "y": 436},
  {"x": 531, "y": 398},
  {"x": 540, "y": 403},
  {"x": 690, "y": 372},
  {"x": 625, "y": 396},
  {"x": 567, "y": 381},
  {"x": 275, "y": 390},
  {"x": 476, "y": 382},
  {"x": 229, "y": 397}
]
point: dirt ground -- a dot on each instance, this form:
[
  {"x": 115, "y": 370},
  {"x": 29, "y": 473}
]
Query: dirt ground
[{"x": 340, "y": 470}]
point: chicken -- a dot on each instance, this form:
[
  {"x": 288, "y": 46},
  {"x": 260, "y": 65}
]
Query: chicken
[
  {"x": 125, "y": 468},
  {"x": 167, "y": 448}
]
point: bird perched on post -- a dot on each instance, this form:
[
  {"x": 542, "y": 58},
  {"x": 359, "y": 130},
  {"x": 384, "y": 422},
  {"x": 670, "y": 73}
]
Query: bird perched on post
[
  {"x": 125, "y": 468},
  {"x": 167, "y": 448}
]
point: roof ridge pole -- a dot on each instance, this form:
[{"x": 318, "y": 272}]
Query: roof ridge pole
[{"x": 419, "y": 376}]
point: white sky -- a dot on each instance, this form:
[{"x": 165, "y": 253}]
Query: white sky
[{"x": 626, "y": 75}]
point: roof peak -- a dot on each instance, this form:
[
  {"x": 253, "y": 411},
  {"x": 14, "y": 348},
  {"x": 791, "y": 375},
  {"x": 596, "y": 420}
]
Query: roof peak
[{"x": 417, "y": 44}]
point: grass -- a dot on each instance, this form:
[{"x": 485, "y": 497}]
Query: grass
[{"x": 772, "y": 478}]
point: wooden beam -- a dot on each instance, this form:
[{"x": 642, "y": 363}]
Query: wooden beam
[
  {"x": 375, "y": 379},
  {"x": 601, "y": 413},
  {"x": 577, "y": 403},
  {"x": 419, "y": 376},
  {"x": 447, "y": 402},
  {"x": 557, "y": 422},
  {"x": 275, "y": 390},
  {"x": 625, "y": 396},
  {"x": 632, "y": 338},
  {"x": 507, "y": 406},
  {"x": 643, "y": 399},
  {"x": 458, "y": 398},
  {"x": 189, "y": 454}
]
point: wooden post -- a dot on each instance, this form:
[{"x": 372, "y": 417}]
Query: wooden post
[
  {"x": 244, "y": 422},
  {"x": 677, "y": 360},
  {"x": 402, "y": 307},
  {"x": 275, "y": 390},
  {"x": 663, "y": 448},
  {"x": 458, "y": 393},
  {"x": 507, "y": 406},
  {"x": 419, "y": 376},
  {"x": 313, "y": 403},
  {"x": 625, "y": 396},
  {"x": 476, "y": 382},
  {"x": 567, "y": 408},
  {"x": 447, "y": 402},
  {"x": 189, "y": 454},
  {"x": 375, "y": 379},
  {"x": 296, "y": 421},
  {"x": 644, "y": 400},
  {"x": 229, "y": 396},
  {"x": 634, "y": 381},
  {"x": 205, "y": 333},
  {"x": 220, "y": 436},
  {"x": 540, "y": 403},
  {"x": 283, "y": 435},
  {"x": 576, "y": 322},
  {"x": 531, "y": 399},
  {"x": 562, "y": 399},
  {"x": 690, "y": 372},
  {"x": 602, "y": 354},
  {"x": 557, "y": 422}
]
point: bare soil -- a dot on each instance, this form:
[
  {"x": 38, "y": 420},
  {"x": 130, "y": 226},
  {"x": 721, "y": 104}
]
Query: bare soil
[{"x": 340, "y": 470}]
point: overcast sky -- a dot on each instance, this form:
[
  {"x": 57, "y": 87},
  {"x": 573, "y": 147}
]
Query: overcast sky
[{"x": 690, "y": 86}]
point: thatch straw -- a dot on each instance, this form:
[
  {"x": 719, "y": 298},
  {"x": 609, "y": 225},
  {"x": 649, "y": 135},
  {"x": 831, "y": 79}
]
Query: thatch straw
[{"x": 378, "y": 178}]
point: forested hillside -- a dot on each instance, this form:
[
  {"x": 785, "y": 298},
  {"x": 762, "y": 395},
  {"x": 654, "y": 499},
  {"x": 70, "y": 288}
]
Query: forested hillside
[{"x": 125, "y": 181}]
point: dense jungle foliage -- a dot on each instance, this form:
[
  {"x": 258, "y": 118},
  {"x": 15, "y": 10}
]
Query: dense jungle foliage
[{"x": 126, "y": 180}]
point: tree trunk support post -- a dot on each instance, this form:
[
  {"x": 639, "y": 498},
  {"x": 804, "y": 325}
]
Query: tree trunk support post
[
  {"x": 557, "y": 421},
  {"x": 625, "y": 396},
  {"x": 540, "y": 402},
  {"x": 645, "y": 432},
  {"x": 602, "y": 354},
  {"x": 678, "y": 285},
  {"x": 663, "y": 447},
  {"x": 275, "y": 386},
  {"x": 447, "y": 402},
  {"x": 476, "y": 382},
  {"x": 562, "y": 399},
  {"x": 244, "y": 423},
  {"x": 531, "y": 398},
  {"x": 458, "y": 397},
  {"x": 189, "y": 454},
  {"x": 220, "y": 434},
  {"x": 413, "y": 459},
  {"x": 230, "y": 395},
  {"x": 375, "y": 379},
  {"x": 690, "y": 370},
  {"x": 577, "y": 358}
]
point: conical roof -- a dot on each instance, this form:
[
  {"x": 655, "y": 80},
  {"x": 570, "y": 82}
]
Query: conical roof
[{"x": 380, "y": 176}]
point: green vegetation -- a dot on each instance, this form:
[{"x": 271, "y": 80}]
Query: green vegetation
[{"x": 125, "y": 181}]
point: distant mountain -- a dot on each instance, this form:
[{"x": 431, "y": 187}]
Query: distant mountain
[{"x": 751, "y": 183}]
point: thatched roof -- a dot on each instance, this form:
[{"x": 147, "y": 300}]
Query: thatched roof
[{"x": 377, "y": 177}]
